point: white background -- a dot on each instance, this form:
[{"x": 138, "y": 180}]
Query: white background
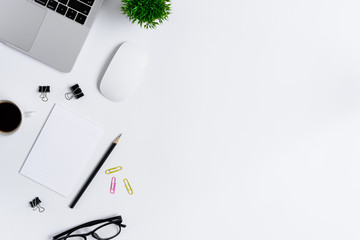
[{"x": 246, "y": 125}]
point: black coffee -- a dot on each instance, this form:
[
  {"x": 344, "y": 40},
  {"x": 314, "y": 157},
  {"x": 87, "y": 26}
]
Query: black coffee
[{"x": 10, "y": 117}]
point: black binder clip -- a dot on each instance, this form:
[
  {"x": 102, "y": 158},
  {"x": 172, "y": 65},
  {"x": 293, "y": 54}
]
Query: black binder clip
[
  {"x": 44, "y": 90},
  {"x": 76, "y": 92},
  {"x": 35, "y": 204}
]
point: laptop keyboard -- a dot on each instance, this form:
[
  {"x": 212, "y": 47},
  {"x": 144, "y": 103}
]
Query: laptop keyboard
[{"x": 76, "y": 10}]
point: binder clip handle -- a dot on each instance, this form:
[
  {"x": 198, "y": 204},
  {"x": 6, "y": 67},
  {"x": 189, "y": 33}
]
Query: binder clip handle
[
  {"x": 44, "y": 90},
  {"x": 75, "y": 92},
  {"x": 35, "y": 204}
]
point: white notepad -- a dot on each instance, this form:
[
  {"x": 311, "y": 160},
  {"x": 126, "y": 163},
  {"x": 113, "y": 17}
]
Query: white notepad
[{"x": 64, "y": 145}]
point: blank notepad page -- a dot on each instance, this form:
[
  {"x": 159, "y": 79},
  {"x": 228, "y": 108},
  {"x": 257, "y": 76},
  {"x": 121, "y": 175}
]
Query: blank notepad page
[{"x": 61, "y": 150}]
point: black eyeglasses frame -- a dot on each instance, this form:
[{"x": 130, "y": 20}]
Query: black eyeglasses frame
[{"x": 113, "y": 220}]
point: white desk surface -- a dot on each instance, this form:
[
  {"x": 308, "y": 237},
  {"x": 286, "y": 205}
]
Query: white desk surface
[{"x": 246, "y": 125}]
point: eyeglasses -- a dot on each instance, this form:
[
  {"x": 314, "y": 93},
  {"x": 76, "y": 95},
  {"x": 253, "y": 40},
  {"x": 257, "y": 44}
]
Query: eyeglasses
[{"x": 109, "y": 228}]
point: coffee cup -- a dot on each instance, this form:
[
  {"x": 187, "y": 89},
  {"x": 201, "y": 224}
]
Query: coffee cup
[{"x": 11, "y": 116}]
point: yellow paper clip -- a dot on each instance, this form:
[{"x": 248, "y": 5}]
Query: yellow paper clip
[
  {"x": 112, "y": 170},
  {"x": 128, "y": 187}
]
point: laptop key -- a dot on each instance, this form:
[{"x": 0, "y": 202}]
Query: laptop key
[
  {"x": 71, "y": 14},
  {"x": 80, "y": 18},
  {"x": 42, "y": 2},
  {"x": 88, "y": 2},
  {"x": 63, "y": 1},
  {"x": 52, "y": 4},
  {"x": 79, "y": 6},
  {"x": 61, "y": 9}
]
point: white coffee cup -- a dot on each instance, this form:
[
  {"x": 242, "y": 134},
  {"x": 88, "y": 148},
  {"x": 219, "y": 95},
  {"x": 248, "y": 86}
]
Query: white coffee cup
[{"x": 11, "y": 116}]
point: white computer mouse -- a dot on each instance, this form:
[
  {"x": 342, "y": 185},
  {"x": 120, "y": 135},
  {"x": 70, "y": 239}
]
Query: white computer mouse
[{"x": 124, "y": 73}]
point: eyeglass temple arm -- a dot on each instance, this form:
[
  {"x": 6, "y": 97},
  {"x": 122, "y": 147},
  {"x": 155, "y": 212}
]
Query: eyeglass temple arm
[{"x": 89, "y": 224}]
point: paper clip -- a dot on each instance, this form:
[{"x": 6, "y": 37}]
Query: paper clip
[
  {"x": 112, "y": 170},
  {"x": 35, "y": 204},
  {"x": 128, "y": 186},
  {"x": 113, "y": 185},
  {"x": 76, "y": 92},
  {"x": 43, "y": 90}
]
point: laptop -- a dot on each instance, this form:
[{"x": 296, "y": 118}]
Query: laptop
[{"x": 51, "y": 31}]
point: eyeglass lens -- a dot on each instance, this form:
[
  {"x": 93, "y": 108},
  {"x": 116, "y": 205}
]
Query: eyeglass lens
[
  {"x": 107, "y": 231},
  {"x": 74, "y": 238}
]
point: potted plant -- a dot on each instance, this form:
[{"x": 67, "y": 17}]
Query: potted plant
[{"x": 147, "y": 13}]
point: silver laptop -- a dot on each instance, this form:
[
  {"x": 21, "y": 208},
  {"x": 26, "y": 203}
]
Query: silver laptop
[{"x": 51, "y": 31}]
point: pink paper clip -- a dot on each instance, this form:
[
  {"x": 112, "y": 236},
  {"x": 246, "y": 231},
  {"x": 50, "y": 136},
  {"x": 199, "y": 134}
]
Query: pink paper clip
[{"x": 113, "y": 185}]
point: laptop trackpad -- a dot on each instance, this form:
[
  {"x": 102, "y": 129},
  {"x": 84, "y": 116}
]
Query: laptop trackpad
[{"x": 20, "y": 21}]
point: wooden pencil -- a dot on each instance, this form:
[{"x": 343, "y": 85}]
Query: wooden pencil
[{"x": 94, "y": 172}]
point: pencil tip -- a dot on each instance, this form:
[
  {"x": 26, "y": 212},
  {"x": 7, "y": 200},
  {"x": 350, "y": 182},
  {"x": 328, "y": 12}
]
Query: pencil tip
[{"x": 117, "y": 139}]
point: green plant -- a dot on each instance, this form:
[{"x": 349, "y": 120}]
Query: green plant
[{"x": 148, "y": 13}]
